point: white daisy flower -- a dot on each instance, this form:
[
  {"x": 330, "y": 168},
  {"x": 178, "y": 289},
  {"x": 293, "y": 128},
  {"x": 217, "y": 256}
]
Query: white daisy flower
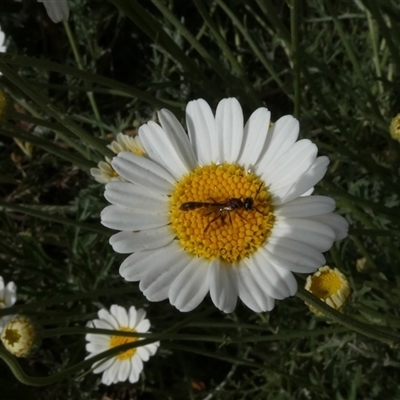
[
  {"x": 57, "y": 10},
  {"x": 129, "y": 364},
  {"x": 8, "y": 296},
  {"x": 105, "y": 172},
  {"x": 225, "y": 210}
]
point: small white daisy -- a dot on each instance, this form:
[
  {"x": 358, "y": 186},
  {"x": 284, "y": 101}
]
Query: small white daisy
[
  {"x": 105, "y": 172},
  {"x": 129, "y": 364},
  {"x": 8, "y": 296},
  {"x": 57, "y": 10},
  {"x": 224, "y": 210}
]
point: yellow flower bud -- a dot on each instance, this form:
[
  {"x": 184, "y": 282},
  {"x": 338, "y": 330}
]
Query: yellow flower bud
[
  {"x": 21, "y": 336},
  {"x": 330, "y": 286},
  {"x": 395, "y": 128}
]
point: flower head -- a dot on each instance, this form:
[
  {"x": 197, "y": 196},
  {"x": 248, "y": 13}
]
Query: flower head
[
  {"x": 225, "y": 210},
  {"x": 129, "y": 364},
  {"x": 105, "y": 172},
  {"x": 21, "y": 336},
  {"x": 57, "y": 10},
  {"x": 395, "y": 128},
  {"x": 8, "y": 296},
  {"x": 330, "y": 286}
]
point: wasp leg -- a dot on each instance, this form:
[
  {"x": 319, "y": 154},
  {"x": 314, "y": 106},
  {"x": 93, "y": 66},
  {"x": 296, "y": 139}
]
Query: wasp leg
[
  {"x": 241, "y": 216},
  {"x": 213, "y": 220},
  {"x": 258, "y": 211}
]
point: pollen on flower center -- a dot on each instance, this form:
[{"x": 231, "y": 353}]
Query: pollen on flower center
[
  {"x": 119, "y": 340},
  {"x": 236, "y": 216}
]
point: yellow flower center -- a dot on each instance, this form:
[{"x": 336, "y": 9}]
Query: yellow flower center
[
  {"x": 326, "y": 284},
  {"x": 221, "y": 211},
  {"x": 11, "y": 336},
  {"x": 119, "y": 340}
]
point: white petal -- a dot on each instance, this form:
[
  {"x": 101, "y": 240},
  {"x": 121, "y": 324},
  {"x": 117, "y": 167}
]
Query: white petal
[
  {"x": 291, "y": 165},
  {"x": 140, "y": 316},
  {"x": 132, "y": 316},
  {"x": 308, "y": 192},
  {"x": 145, "y": 352},
  {"x": 178, "y": 138},
  {"x": 250, "y": 289},
  {"x": 305, "y": 182},
  {"x": 294, "y": 256},
  {"x": 10, "y": 294},
  {"x": 143, "y": 172},
  {"x": 105, "y": 365},
  {"x": 98, "y": 339},
  {"x": 254, "y": 136},
  {"x": 95, "y": 348},
  {"x": 126, "y": 194},
  {"x": 102, "y": 324},
  {"x": 124, "y": 370},
  {"x": 200, "y": 123},
  {"x": 190, "y": 287},
  {"x": 223, "y": 285},
  {"x": 280, "y": 138},
  {"x": 108, "y": 317},
  {"x": 277, "y": 282},
  {"x": 157, "y": 279},
  {"x": 56, "y": 10},
  {"x": 130, "y": 242},
  {"x": 305, "y": 207},
  {"x": 312, "y": 233},
  {"x": 159, "y": 147},
  {"x": 110, "y": 375},
  {"x": 137, "y": 367},
  {"x": 143, "y": 326},
  {"x": 121, "y": 315},
  {"x": 336, "y": 222},
  {"x": 229, "y": 129},
  {"x": 124, "y": 219},
  {"x": 136, "y": 266}
]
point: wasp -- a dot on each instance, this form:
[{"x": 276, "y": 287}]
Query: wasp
[{"x": 222, "y": 208}]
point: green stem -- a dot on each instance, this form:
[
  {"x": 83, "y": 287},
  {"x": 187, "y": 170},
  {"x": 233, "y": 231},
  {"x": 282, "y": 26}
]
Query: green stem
[
  {"x": 352, "y": 57},
  {"x": 152, "y": 28},
  {"x": 244, "y": 85},
  {"x": 296, "y": 57},
  {"x": 49, "y": 108},
  {"x": 93, "y": 294},
  {"x": 275, "y": 19},
  {"x": 19, "y": 373},
  {"x": 49, "y": 147},
  {"x": 79, "y": 62},
  {"x": 53, "y": 218},
  {"x": 390, "y": 338},
  {"x": 117, "y": 87},
  {"x": 252, "y": 43},
  {"x": 241, "y": 361}
]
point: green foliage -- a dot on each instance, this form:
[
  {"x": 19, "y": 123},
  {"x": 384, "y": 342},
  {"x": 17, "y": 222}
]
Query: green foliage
[{"x": 74, "y": 87}]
